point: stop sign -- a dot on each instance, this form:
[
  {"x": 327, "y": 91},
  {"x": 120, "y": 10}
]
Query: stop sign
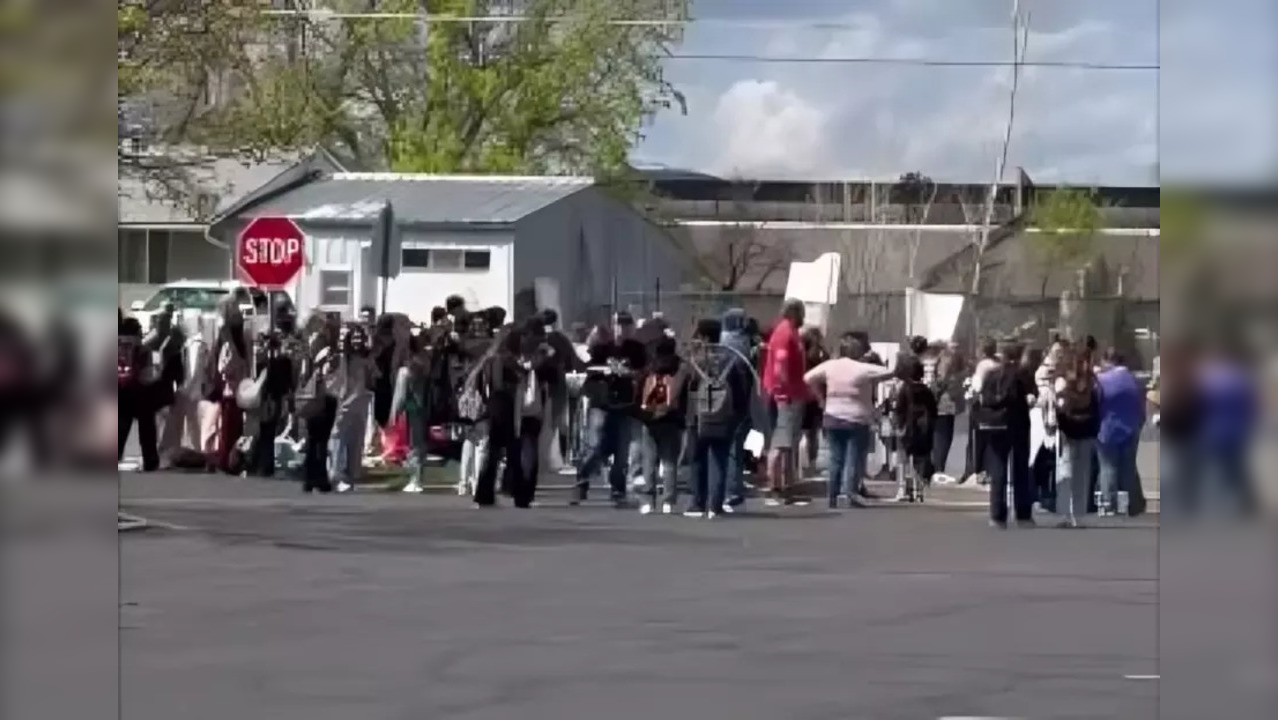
[{"x": 271, "y": 252}]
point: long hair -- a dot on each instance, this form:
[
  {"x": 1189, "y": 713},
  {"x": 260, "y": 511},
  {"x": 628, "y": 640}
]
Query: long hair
[
  {"x": 950, "y": 363},
  {"x": 1078, "y": 370}
]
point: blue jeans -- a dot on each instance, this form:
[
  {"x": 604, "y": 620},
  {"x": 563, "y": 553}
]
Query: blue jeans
[
  {"x": 710, "y": 465},
  {"x": 736, "y": 465},
  {"x": 607, "y": 436},
  {"x": 1117, "y": 471},
  {"x": 848, "y": 448},
  {"x": 661, "y": 446},
  {"x": 1073, "y": 476},
  {"x": 1227, "y": 469}
]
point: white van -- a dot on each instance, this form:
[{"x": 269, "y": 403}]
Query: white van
[{"x": 204, "y": 296}]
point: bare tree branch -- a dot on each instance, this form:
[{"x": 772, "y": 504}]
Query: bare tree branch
[{"x": 1020, "y": 39}]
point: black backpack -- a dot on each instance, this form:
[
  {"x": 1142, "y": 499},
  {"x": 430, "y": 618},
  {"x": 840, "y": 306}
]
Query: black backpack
[
  {"x": 997, "y": 396},
  {"x": 1078, "y": 412}
]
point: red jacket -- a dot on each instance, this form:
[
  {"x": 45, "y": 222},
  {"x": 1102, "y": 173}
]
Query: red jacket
[{"x": 785, "y": 365}]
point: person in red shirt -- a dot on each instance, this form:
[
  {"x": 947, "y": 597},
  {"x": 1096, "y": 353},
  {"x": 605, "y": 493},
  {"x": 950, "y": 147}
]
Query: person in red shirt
[{"x": 783, "y": 372}]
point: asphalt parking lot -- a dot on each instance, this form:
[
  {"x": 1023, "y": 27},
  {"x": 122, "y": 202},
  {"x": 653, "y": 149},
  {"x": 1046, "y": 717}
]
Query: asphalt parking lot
[{"x": 247, "y": 599}]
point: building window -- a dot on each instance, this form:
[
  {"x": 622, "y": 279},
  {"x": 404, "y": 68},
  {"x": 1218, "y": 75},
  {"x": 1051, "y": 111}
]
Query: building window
[
  {"x": 477, "y": 259},
  {"x": 335, "y": 288},
  {"x": 416, "y": 258},
  {"x": 157, "y": 257},
  {"x": 143, "y": 256},
  {"x": 132, "y": 256},
  {"x": 446, "y": 260}
]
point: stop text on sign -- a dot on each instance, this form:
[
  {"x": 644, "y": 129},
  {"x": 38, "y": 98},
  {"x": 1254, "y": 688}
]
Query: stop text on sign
[{"x": 271, "y": 251}]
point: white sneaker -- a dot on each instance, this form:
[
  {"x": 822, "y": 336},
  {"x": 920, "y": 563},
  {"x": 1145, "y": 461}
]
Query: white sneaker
[
  {"x": 667, "y": 508},
  {"x": 711, "y": 515},
  {"x": 462, "y": 488},
  {"x": 943, "y": 479},
  {"x": 343, "y": 487},
  {"x": 645, "y": 509},
  {"x": 902, "y": 496},
  {"x": 413, "y": 487}
]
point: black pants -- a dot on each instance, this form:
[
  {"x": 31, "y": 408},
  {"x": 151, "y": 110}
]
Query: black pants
[
  {"x": 1020, "y": 459},
  {"x": 261, "y": 460},
  {"x": 315, "y": 459},
  {"x": 1043, "y": 473},
  {"x": 998, "y": 445},
  {"x": 519, "y": 448},
  {"x": 134, "y": 406},
  {"x": 975, "y": 451},
  {"x": 942, "y": 441}
]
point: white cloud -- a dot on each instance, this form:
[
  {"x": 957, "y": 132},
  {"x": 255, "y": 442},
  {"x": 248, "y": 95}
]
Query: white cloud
[
  {"x": 810, "y": 120},
  {"x": 767, "y": 131}
]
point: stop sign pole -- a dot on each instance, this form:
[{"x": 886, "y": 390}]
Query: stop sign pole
[{"x": 270, "y": 252}]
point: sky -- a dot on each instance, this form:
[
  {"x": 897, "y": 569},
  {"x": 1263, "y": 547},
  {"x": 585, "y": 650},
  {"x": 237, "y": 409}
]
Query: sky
[{"x": 1210, "y": 113}]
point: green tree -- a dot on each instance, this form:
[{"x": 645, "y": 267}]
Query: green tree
[
  {"x": 1182, "y": 223},
  {"x": 567, "y": 88},
  {"x": 1067, "y": 221}
]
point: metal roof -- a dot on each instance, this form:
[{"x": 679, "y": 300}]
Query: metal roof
[{"x": 422, "y": 199}]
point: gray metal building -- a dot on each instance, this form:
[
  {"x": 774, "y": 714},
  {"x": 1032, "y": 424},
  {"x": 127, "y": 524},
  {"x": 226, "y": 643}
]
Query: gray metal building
[{"x": 517, "y": 242}]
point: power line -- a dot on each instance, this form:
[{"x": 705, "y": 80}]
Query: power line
[
  {"x": 924, "y": 62},
  {"x": 771, "y": 24}
]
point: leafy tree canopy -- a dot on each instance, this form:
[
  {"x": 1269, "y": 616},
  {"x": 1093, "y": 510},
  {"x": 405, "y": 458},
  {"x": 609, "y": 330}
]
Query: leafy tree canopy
[{"x": 567, "y": 89}]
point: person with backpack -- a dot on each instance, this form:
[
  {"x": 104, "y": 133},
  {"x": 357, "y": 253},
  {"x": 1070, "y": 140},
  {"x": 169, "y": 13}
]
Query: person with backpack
[
  {"x": 739, "y": 336},
  {"x": 174, "y": 405},
  {"x": 1000, "y": 404},
  {"x": 230, "y": 366},
  {"x": 1077, "y": 421},
  {"x": 846, "y": 385},
  {"x": 135, "y": 376},
  {"x": 513, "y": 384},
  {"x": 663, "y": 409},
  {"x": 719, "y": 401},
  {"x": 271, "y": 414},
  {"x": 914, "y": 414}
]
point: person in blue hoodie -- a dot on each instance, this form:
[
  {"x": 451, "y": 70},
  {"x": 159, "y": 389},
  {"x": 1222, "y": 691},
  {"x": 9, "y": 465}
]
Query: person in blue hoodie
[
  {"x": 1230, "y": 415},
  {"x": 738, "y": 340},
  {"x": 1122, "y": 417}
]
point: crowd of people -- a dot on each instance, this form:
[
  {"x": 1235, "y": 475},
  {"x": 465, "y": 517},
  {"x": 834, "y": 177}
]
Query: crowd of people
[{"x": 656, "y": 412}]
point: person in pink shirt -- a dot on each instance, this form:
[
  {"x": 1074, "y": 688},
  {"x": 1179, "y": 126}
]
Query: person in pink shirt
[
  {"x": 847, "y": 385},
  {"x": 783, "y": 382}
]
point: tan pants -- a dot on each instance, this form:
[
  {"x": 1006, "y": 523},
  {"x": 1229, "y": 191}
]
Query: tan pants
[
  {"x": 180, "y": 427},
  {"x": 209, "y": 418}
]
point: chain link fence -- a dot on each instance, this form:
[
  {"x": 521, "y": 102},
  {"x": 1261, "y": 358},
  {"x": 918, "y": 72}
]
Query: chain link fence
[{"x": 1132, "y": 326}]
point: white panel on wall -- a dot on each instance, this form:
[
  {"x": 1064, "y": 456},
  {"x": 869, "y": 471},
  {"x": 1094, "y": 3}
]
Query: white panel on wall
[{"x": 417, "y": 288}]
